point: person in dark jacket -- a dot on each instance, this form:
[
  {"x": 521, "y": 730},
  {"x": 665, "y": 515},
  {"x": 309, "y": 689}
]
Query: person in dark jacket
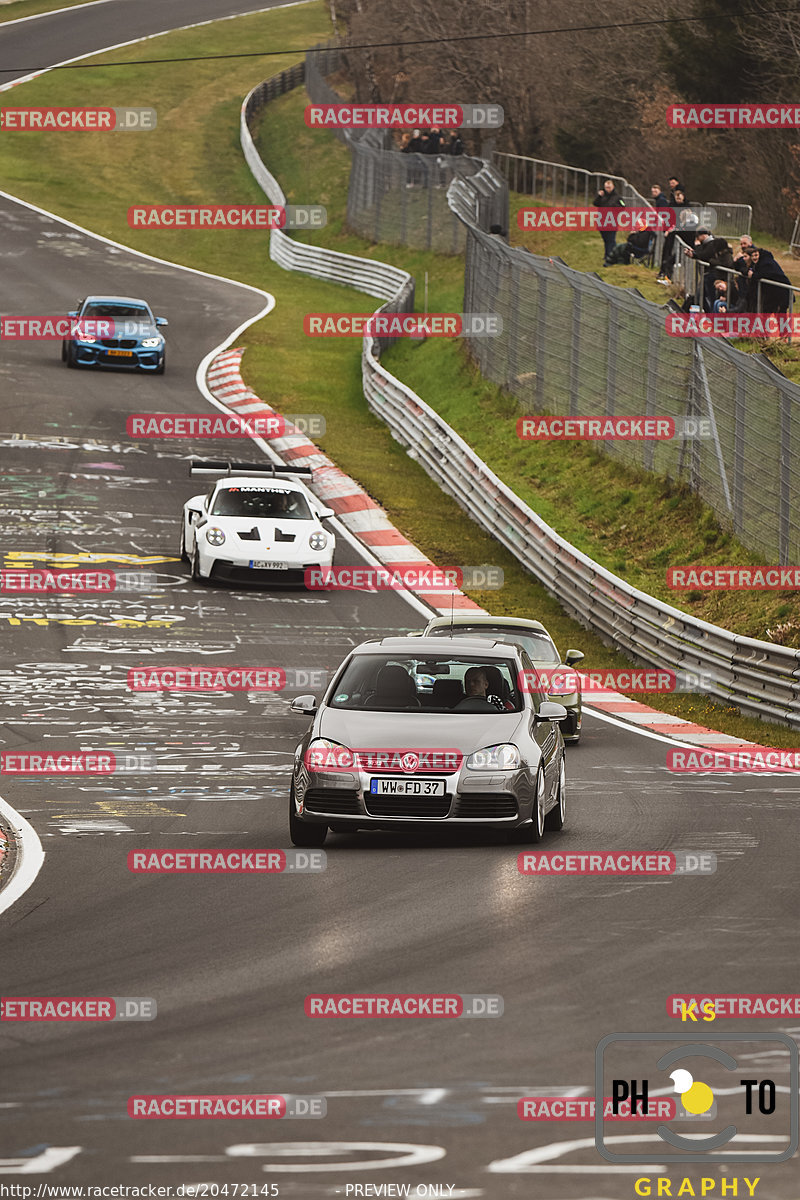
[
  {"x": 456, "y": 145},
  {"x": 681, "y": 229},
  {"x": 675, "y": 186},
  {"x": 608, "y": 198},
  {"x": 414, "y": 145},
  {"x": 765, "y": 270},
  {"x": 657, "y": 197},
  {"x": 714, "y": 252}
]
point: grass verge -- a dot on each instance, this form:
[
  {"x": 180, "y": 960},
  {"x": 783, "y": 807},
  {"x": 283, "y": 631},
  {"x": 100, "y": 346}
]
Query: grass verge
[{"x": 194, "y": 156}]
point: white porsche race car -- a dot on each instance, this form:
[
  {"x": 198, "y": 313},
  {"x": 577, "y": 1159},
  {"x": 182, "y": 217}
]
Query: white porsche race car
[{"x": 256, "y": 524}]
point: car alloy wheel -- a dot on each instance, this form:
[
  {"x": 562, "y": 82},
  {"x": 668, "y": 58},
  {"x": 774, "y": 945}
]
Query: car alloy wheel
[
  {"x": 196, "y": 576},
  {"x": 533, "y": 833},
  {"x": 557, "y": 816}
]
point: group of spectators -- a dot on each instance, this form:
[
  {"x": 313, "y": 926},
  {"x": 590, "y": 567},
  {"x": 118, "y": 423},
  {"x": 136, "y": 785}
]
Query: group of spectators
[
  {"x": 744, "y": 283},
  {"x": 432, "y": 141}
]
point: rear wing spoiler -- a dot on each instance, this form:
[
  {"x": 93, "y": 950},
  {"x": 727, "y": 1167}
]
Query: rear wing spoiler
[{"x": 220, "y": 466}]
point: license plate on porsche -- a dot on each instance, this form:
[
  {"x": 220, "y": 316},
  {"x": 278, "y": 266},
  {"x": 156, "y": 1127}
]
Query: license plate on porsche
[
  {"x": 120, "y": 353},
  {"x": 407, "y": 787},
  {"x": 268, "y": 566}
]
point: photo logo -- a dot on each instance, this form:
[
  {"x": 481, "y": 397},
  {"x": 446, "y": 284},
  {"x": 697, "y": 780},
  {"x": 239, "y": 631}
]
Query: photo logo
[
  {"x": 398, "y": 1005},
  {"x": 200, "y": 216},
  {"x": 78, "y": 1008},
  {"x": 227, "y": 862},
  {"x": 399, "y": 325},
  {"x": 616, "y": 429},
  {"x": 205, "y": 1108},
  {"x": 403, "y": 116},
  {"x": 733, "y": 325},
  {"x": 702, "y": 1075},
  {"x": 321, "y": 756},
  {"x": 709, "y": 1008},
  {"x": 196, "y": 425},
  {"x": 92, "y": 119},
  {"x": 733, "y": 116},
  {"x": 624, "y": 220},
  {"x": 382, "y": 579},
  {"x": 733, "y": 579},
  {"x": 617, "y": 862},
  {"x": 87, "y": 582}
]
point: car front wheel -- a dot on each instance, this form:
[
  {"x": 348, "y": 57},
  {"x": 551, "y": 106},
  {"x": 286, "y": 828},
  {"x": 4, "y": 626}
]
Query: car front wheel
[
  {"x": 184, "y": 555},
  {"x": 196, "y": 576},
  {"x": 533, "y": 833},
  {"x": 557, "y": 816},
  {"x": 302, "y": 834}
]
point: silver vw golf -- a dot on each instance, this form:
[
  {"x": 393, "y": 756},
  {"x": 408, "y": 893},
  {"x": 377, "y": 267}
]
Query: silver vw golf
[{"x": 421, "y": 730}]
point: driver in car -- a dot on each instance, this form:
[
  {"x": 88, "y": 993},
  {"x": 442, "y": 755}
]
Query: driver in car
[{"x": 476, "y": 684}]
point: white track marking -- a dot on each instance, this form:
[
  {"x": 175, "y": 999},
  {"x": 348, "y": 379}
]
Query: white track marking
[{"x": 30, "y": 857}]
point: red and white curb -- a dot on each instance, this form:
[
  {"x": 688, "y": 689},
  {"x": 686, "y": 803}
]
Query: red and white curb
[
  {"x": 615, "y": 704},
  {"x": 359, "y": 514}
]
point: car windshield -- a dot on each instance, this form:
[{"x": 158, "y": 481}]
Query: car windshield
[
  {"x": 465, "y": 684},
  {"x": 138, "y": 311},
  {"x": 255, "y": 501},
  {"x": 539, "y": 646}
]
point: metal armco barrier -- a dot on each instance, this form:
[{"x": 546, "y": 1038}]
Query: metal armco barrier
[{"x": 760, "y": 678}]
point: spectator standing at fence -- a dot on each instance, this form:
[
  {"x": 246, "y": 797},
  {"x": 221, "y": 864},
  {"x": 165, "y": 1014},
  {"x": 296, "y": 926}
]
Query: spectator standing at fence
[
  {"x": 456, "y": 145},
  {"x": 435, "y": 142},
  {"x": 657, "y": 197},
  {"x": 675, "y": 186},
  {"x": 413, "y": 172},
  {"x": 608, "y": 198},
  {"x": 683, "y": 213},
  {"x": 714, "y": 253},
  {"x": 742, "y": 260},
  {"x": 766, "y": 271}
]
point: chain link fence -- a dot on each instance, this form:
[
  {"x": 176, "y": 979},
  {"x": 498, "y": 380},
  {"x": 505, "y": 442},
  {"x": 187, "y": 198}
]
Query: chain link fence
[
  {"x": 397, "y": 198},
  {"x": 573, "y": 345}
]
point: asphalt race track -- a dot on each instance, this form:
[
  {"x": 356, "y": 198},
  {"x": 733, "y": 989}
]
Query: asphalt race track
[{"x": 230, "y": 959}]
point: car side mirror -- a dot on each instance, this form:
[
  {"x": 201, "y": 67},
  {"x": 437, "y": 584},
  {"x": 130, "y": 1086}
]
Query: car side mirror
[
  {"x": 573, "y": 656},
  {"x": 324, "y": 513},
  {"x": 73, "y": 312},
  {"x": 162, "y": 321},
  {"x": 549, "y": 711},
  {"x": 307, "y": 705}
]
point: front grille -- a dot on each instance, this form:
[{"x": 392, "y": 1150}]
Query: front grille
[
  {"x": 407, "y": 806},
  {"x": 486, "y": 806},
  {"x": 118, "y": 343},
  {"x": 332, "y": 800}
]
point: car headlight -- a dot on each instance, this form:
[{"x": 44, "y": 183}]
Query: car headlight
[
  {"x": 324, "y": 755},
  {"x": 215, "y": 536},
  {"x": 86, "y": 337},
  {"x": 504, "y": 757},
  {"x": 318, "y": 541},
  {"x": 153, "y": 341}
]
